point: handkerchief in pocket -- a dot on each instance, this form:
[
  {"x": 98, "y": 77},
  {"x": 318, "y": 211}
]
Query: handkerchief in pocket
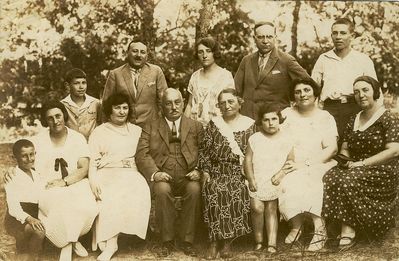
[{"x": 276, "y": 72}]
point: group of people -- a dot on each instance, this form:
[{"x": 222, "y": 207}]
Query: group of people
[{"x": 244, "y": 149}]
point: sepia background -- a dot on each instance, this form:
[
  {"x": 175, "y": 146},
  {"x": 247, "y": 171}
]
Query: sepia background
[{"x": 40, "y": 40}]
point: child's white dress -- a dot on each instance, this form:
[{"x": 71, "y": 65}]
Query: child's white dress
[{"x": 269, "y": 156}]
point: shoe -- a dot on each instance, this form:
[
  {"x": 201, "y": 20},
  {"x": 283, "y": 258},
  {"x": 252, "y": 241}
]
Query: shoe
[
  {"x": 189, "y": 249},
  {"x": 345, "y": 243},
  {"x": 258, "y": 247},
  {"x": 79, "y": 249},
  {"x": 293, "y": 236},
  {"x": 166, "y": 249},
  {"x": 318, "y": 241},
  {"x": 226, "y": 252},
  {"x": 212, "y": 252},
  {"x": 107, "y": 254},
  {"x": 271, "y": 249}
]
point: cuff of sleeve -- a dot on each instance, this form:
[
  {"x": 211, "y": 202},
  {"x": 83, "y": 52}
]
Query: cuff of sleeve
[
  {"x": 152, "y": 176},
  {"x": 23, "y": 218}
]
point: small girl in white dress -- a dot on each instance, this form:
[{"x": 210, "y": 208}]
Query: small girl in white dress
[{"x": 267, "y": 153}]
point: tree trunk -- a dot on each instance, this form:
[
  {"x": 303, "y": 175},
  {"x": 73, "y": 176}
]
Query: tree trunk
[
  {"x": 294, "y": 29},
  {"x": 204, "y": 22}
]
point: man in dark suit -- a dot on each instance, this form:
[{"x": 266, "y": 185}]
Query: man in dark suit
[
  {"x": 266, "y": 76},
  {"x": 141, "y": 81},
  {"x": 167, "y": 155}
]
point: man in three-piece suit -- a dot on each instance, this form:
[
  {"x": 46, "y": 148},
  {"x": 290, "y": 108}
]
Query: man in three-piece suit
[
  {"x": 266, "y": 76},
  {"x": 141, "y": 81},
  {"x": 167, "y": 155}
]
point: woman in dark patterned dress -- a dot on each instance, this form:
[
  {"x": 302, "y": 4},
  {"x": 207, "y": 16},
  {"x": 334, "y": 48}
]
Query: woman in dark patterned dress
[
  {"x": 361, "y": 194},
  {"x": 226, "y": 198}
]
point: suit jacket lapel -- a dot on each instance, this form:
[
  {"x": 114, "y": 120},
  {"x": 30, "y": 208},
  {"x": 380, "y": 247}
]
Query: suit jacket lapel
[
  {"x": 163, "y": 129},
  {"x": 129, "y": 81},
  {"x": 184, "y": 129},
  {"x": 255, "y": 64},
  {"x": 269, "y": 65},
  {"x": 143, "y": 79}
]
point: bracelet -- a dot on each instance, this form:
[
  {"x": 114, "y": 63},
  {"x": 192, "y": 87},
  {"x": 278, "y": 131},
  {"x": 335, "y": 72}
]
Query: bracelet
[{"x": 66, "y": 183}]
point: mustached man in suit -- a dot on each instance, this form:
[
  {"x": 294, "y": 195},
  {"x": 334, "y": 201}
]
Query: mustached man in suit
[
  {"x": 167, "y": 155},
  {"x": 141, "y": 81},
  {"x": 266, "y": 76}
]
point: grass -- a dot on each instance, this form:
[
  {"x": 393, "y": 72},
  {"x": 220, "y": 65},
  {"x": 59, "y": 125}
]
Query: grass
[{"x": 133, "y": 249}]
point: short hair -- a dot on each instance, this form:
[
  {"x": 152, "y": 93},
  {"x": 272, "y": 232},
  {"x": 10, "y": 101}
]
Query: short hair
[
  {"x": 51, "y": 105},
  {"x": 308, "y": 81},
  {"x": 116, "y": 99},
  {"x": 346, "y": 21},
  {"x": 259, "y": 24},
  {"x": 74, "y": 73},
  {"x": 137, "y": 40},
  {"x": 233, "y": 92},
  {"x": 373, "y": 82},
  {"x": 211, "y": 43},
  {"x": 267, "y": 108},
  {"x": 19, "y": 144}
]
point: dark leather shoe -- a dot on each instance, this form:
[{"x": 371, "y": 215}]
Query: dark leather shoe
[
  {"x": 189, "y": 249},
  {"x": 166, "y": 249}
]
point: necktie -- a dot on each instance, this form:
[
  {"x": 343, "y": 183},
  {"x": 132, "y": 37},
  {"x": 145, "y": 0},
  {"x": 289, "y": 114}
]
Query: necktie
[
  {"x": 60, "y": 162},
  {"x": 262, "y": 62},
  {"x": 135, "y": 78},
  {"x": 174, "y": 131}
]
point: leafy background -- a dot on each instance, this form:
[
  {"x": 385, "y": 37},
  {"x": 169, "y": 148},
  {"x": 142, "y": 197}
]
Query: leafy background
[{"x": 42, "y": 39}]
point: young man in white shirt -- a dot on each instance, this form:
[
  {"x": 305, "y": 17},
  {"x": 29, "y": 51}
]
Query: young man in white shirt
[
  {"x": 336, "y": 70},
  {"x": 22, "y": 194}
]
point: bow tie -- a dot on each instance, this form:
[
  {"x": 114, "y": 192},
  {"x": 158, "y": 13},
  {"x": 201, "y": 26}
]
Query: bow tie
[
  {"x": 263, "y": 55},
  {"x": 60, "y": 163}
]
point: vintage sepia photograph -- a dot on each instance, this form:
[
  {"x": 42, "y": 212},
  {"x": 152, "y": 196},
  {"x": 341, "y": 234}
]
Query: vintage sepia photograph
[{"x": 199, "y": 130}]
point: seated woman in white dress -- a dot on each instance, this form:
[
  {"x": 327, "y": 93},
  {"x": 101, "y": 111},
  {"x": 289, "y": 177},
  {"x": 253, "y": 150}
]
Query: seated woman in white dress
[
  {"x": 207, "y": 82},
  {"x": 315, "y": 143},
  {"x": 67, "y": 206},
  {"x": 122, "y": 192}
]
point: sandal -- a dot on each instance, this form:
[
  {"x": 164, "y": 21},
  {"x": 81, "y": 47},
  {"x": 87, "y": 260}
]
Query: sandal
[
  {"x": 271, "y": 249},
  {"x": 350, "y": 244},
  {"x": 293, "y": 236},
  {"x": 318, "y": 241}
]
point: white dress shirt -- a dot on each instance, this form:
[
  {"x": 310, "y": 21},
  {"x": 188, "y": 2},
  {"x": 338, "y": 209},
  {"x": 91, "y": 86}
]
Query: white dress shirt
[
  {"x": 338, "y": 74},
  {"x": 177, "y": 123},
  {"x": 22, "y": 188}
]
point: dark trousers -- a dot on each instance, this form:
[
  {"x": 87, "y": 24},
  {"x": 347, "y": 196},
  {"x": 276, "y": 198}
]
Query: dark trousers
[
  {"x": 341, "y": 113},
  {"x": 165, "y": 211}
]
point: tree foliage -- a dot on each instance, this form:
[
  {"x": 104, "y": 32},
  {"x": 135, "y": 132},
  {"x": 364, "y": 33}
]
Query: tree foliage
[{"x": 42, "y": 39}]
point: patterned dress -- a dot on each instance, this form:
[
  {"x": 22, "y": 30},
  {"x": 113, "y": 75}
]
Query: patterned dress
[
  {"x": 226, "y": 198},
  {"x": 364, "y": 197}
]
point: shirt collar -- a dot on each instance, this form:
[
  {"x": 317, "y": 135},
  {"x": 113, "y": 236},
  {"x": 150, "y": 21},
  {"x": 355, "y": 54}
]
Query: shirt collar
[
  {"x": 87, "y": 102},
  {"x": 177, "y": 122},
  {"x": 331, "y": 54},
  {"x": 134, "y": 70}
]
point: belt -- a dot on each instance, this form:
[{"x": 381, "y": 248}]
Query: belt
[{"x": 345, "y": 99}]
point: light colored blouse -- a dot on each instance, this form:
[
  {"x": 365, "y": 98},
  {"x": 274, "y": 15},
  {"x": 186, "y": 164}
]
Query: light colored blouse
[{"x": 205, "y": 94}]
